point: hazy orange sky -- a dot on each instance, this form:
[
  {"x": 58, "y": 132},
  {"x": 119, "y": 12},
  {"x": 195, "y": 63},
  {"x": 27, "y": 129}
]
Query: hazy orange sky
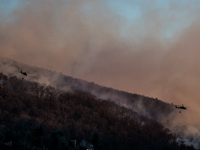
[{"x": 146, "y": 47}]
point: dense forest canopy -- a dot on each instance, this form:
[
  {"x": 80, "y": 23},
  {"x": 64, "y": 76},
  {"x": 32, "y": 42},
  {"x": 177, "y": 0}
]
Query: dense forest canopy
[{"x": 34, "y": 115}]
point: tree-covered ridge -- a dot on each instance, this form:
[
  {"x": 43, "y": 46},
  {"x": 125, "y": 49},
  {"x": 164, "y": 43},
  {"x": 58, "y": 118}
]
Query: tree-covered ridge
[
  {"x": 143, "y": 105},
  {"x": 34, "y": 115}
]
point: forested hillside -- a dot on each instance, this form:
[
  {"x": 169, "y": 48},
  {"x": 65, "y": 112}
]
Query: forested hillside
[
  {"x": 150, "y": 107},
  {"x": 38, "y": 116}
]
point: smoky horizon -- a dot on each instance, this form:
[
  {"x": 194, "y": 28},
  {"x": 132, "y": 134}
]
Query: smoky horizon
[{"x": 151, "y": 48}]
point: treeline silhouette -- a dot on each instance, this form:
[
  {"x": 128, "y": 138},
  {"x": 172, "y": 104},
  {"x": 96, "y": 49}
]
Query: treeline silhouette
[{"x": 42, "y": 117}]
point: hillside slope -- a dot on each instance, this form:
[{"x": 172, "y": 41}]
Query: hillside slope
[
  {"x": 44, "y": 119},
  {"x": 149, "y": 107},
  {"x": 185, "y": 125}
]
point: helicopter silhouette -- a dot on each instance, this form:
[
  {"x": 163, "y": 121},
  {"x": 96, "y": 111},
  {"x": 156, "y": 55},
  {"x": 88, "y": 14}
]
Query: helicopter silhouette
[
  {"x": 24, "y": 73},
  {"x": 180, "y": 107}
]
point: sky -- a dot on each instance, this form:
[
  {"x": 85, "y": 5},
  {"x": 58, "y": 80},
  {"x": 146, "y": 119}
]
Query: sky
[{"x": 148, "y": 47}]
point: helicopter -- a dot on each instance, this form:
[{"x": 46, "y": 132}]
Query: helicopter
[
  {"x": 24, "y": 73},
  {"x": 180, "y": 107}
]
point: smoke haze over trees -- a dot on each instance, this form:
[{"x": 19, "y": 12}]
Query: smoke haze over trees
[
  {"x": 40, "y": 119},
  {"x": 150, "y": 49},
  {"x": 54, "y": 85},
  {"x": 155, "y": 53}
]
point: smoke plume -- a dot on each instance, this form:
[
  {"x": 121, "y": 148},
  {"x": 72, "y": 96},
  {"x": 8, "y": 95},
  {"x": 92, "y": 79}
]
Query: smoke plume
[{"x": 156, "y": 55}]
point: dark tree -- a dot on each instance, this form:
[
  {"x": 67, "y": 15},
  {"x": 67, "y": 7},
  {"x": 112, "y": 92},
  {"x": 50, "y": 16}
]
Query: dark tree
[{"x": 96, "y": 141}]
